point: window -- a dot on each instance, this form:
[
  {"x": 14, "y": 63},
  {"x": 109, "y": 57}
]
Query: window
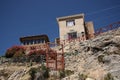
[
  {"x": 70, "y": 23},
  {"x": 72, "y": 35}
]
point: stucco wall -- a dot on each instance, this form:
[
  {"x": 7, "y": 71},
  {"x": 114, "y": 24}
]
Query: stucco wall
[{"x": 78, "y": 27}]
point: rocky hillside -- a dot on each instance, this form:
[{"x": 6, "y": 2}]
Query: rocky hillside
[
  {"x": 14, "y": 71},
  {"x": 97, "y": 58}
]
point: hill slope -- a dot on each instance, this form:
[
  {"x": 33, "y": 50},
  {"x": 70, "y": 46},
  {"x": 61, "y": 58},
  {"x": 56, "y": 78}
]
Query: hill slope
[
  {"x": 96, "y": 57},
  {"x": 93, "y": 58}
]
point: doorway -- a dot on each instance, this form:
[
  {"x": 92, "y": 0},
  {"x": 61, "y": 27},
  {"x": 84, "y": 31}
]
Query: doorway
[{"x": 72, "y": 35}]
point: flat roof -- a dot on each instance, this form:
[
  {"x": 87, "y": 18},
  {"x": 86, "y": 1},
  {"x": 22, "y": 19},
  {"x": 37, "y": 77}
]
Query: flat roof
[
  {"x": 36, "y": 37},
  {"x": 70, "y": 17}
]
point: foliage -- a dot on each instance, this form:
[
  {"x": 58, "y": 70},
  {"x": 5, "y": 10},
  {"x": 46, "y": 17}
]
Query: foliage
[
  {"x": 15, "y": 51},
  {"x": 100, "y": 58},
  {"x": 4, "y": 73},
  {"x": 52, "y": 53},
  {"x": 68, "y": 72},
  {"x": 108, "y": 77},
  {"x": 42, "y": 70},
  {"x": 76, "y": 52},
  {"x": 31, "y": 63},
  {"x": 45, "y": 70},
  {"x": 37, "y": 55},
  {"x": 32, "y": 73},
  {"x": 82, "y": 76},
  {"x": 64, "y": 73},
  {"x": 36, "y": 52}
]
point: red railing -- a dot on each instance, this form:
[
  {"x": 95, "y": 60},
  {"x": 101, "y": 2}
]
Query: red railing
[
  {"x": 107, "y": 28},
  {"x": 97, "y": 32},
  {"x": 54, "y": 56},
  {"x": 54, "y": 59}
]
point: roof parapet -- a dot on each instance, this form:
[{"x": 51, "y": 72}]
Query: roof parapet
[{"x": 70, "y": 17}]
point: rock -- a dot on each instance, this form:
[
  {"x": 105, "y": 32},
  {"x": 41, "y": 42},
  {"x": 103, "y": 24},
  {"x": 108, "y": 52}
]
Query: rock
[
  {"x": 86, "y": 62},
  {"x": 89, "y": 79},
  {"x": 106, "y": 59},
  {"x": 39, "y": 76},
  {"x": 2, "y": 78},
  {"x": 16, "y": 75},
  {"x": 81, "y": 57}
]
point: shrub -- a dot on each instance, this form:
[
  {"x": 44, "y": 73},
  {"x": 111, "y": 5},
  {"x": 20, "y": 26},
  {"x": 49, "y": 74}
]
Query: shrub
[
  {"x": 42, "y": 70},
  {"x": 32, "y": 73},
  {"x": 45, "y": 70},
  {"x": 15, "y": 51},
  {"x": 82, "y": 76},
  {"x": 31, "y": 63},
  {"x": 108, "y": 77},
  {"x": 76, "y": 52},
  {"x": 100, "y": 58},
  {"x": 62, "y": 74},
  {"x": 68, "y": 72},
  {"x": 36, "y": 55},
  {"x": 37, "y": 52},
  {"x": 4, "y": 73},
  {"x": 106, "y": 53}
]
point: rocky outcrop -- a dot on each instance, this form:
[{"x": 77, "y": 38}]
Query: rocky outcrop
[
  {"x": 86, "y": 60},
  {"x": 90, "y": 60},
  {"x": 17, "y": 75}
]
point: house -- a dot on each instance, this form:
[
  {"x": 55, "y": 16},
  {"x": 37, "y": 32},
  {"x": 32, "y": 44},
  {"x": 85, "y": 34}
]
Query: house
[
  {"x": 32, "y": 43},
  {"x": 74, "y": 27}
]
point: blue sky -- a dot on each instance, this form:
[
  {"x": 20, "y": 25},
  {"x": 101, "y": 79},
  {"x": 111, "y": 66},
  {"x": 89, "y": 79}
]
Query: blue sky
[{"x": 33, "y": 17}]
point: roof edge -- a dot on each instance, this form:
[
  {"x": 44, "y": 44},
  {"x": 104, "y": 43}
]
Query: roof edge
[{"x": 70, "y": 16}]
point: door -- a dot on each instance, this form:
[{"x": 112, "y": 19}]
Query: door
[{"x": 72, "y": 35}]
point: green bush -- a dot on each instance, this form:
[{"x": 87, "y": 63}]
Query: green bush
[
  {"x": 100, "y": 58},
  {"x": 32, "y": 73},
  {"x": 62, "y": 74},
  {"x": 68, "y": 72},
  {"x": 45, "y": 70},
  {"x": 108, "y": 77},
  {"x": 42, "y": 70},
  {"x": 76, "y": 52},
  {"x": 4, "y": 73},
  {"x": 31, "y": 63},
  {"x": 82, "y": 76}
]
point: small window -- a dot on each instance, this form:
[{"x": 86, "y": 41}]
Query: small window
[{"x": 70, "y": 23}]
